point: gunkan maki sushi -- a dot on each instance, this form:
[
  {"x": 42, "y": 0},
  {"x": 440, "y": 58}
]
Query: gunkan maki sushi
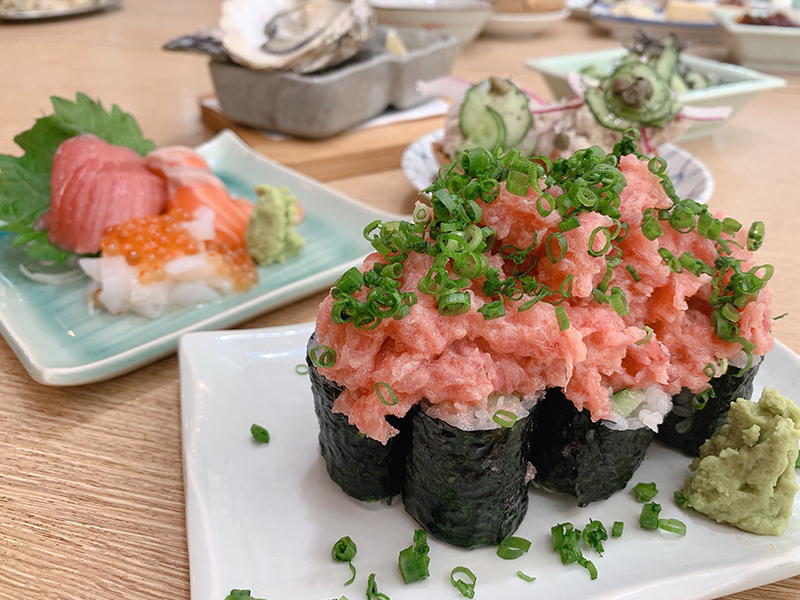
[{"x": 586, "y": 279}]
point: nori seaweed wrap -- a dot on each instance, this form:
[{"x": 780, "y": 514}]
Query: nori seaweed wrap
[
  {"x": 364, "y": 468},
  {"x": 685, "y": 428},
  {"x": 467, "y": 488},
  {"x": 576, "y": 456}
]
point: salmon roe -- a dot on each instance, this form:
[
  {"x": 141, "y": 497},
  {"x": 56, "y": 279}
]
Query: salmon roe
[{"x": 150, "y": 242}]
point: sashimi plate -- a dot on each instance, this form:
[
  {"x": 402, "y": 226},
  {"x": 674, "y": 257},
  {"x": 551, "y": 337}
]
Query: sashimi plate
[
  {"x": 265, "y": 517},
  {"x": 691, "y": 178},
  {"x": 60, "y": 342}
]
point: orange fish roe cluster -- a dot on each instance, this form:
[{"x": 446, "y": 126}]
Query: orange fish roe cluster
[{"x": 149, "y": 243}]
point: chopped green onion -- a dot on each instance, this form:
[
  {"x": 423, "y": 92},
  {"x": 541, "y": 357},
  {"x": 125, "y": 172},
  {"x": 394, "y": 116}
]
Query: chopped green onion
[
  {"x": 454, "y": 304},
  {"x": 322, "y": 356},
  {"x": 755, "y": 236},
  {"x": 648, "y": 519},
  {"x": 513, "y": 547},
  {"x": 648, "y": 335},
  {"x": 569, "y": 224},
  {"x": 566, "y": 542},
  {"x": 372, "y": 589},
  {"x": 619, "y": 302},
  {"x": 589, "y": 566},
  {"x": 607, "y": 235},
  {"x": 393, "y": 397},
  {"x": 240, "y": 595},
  {"x": 616, "y": 529},
  {"x": 466, "y": 587},
  {"x": 644, "y": 492},
  {"x": 563, "y": 319},
  {"x": 504, "y": 418},
  {"x": 259, "y": 434},
  {"x": 672, "y": 526},
  {"x": 493, "y": 310},
  {"x": 414, "y": 560},
  {"x": 301, "y": 369},
  {"x": 545, "y": 210},
  {"x": 562, "y": 246},
  {"x": 525, "y": 577},
  {"x": 344, "y": 550},
  {"x": 709, "y": 370},
  {"x": 634, "y": 273},
  {"x": 651, "y": 229},
  {"x": 680, "y": 499},
  {"x": 594, "y": 534}
]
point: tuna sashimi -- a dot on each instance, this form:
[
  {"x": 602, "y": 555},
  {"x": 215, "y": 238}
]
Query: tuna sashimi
[{"x": 95, "y": 185}]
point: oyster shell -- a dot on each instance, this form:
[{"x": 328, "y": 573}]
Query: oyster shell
[{"x": 294, "y": 35}]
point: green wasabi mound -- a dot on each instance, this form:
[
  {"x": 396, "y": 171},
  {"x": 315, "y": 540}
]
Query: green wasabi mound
[
  {"x": 745, "y": 475},
  {"x": 270, "y": 236}
]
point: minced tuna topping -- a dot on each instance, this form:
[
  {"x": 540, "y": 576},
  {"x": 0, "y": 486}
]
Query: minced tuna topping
[{"x": 588, "y": 274}]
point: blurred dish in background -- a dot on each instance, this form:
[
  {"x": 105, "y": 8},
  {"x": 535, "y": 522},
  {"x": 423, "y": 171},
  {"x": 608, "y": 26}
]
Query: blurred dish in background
[
  {"x": 28, "y": 10},
  {"x": 623, "y": 19},
  {"x": 691, "y": 178},
  {"x": 730, "y": 85},
  {"x": 463, "y": 19},
  {"x": 522, "y": 24},
  {"x": 760, "y": 46}
]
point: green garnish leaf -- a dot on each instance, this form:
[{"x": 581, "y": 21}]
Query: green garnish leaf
[
  {"x": 301, "y": 369},
  {"x": 513, "y": 547},
  {"x": 525, "y": 577},
  {"x": 465, "y": 586},
  {"x": 644, "y": 492},
  {"x": 259, "y": 434},
  {"x": 372, "y": 590},
  {"x": 649, "y": 517},
  {"x": 414, "y": 560},
  {"x": 344, "y": 550},
  {"x": 25, "y": 180},
  {"x": 594, "y": 534},
  {"x": 566, "y": 541},
  {"x": 616, "y": 529}
]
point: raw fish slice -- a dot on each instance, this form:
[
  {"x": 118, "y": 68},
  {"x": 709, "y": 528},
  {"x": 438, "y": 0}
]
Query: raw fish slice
[
  {"x": 96, "y": 185},
  {"x": 232, "y": 215},
  {"x": 161, "y": 160}
]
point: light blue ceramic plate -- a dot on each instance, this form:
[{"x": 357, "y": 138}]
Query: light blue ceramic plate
[
  {"x": 690, "y": 177},
  {"x": 60, "y": 343}
]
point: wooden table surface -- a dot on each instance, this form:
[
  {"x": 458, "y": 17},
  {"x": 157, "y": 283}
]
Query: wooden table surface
[{"x": 91, "y": 488}]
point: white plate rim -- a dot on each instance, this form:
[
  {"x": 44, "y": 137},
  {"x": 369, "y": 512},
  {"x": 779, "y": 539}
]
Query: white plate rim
[
  {"x": 419, "y": 152},
  {"x": 206, "y": 561},
  {"x": 33, "y": 15}
]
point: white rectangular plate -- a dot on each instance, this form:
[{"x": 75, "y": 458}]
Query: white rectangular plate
[
  {"x": 265, "y": 517},
  {"x": 60, "y": 343}
]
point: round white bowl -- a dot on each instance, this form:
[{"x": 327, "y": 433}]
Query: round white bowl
[{"x": 463, "y": 19}]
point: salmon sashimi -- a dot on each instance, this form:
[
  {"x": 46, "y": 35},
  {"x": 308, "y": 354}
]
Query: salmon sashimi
[{"x": 95, "y": 185}]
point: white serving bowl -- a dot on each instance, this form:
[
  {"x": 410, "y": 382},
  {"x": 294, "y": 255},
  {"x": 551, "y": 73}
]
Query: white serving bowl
[
  {"x": 463, "y": 19},
  {"x": 738, "y": 84},
  {"x": 760, "y": 46}
]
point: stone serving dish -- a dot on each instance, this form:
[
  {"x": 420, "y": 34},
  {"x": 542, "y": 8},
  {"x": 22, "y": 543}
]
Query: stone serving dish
[{"x": 320, "y": 105}]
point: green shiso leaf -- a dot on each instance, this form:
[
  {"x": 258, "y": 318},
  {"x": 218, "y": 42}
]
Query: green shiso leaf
[{"x": 25, "y": 180}]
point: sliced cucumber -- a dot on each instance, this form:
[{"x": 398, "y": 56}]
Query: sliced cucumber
[
  {"x": 488, "y": 131},
  {"x": 595, "y": 100},
  {"x": 626, "y": 401},
  {"x": 501, "y": 97}
]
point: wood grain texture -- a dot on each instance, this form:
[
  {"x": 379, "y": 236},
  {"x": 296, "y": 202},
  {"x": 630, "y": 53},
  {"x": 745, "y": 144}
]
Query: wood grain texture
[{"x": 91, "y": 483}]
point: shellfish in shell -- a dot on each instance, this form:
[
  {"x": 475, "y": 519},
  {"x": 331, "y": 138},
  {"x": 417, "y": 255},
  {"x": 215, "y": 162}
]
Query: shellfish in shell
[{"x": 294, "y": 35}]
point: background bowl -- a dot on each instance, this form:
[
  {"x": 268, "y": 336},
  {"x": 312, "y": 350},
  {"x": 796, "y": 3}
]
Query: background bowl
[
  {"x": 737, "y": 84},
  {"x": 463, "y": 19},
  {"x": 760, "y": 46}
]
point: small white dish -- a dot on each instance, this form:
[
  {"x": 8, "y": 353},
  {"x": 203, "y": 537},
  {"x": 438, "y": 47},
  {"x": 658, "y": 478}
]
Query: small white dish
[
  {"x": 523, "y": 24},
  {"x": 690, "y": 177},
  {"x": 737, "y": 85},
  {"x": 265, "y": 517},
  {"x": 624, "y": 28},
  {"x": 463, "y": 19},
  {"x": 760, "y": 46},
  {"x": 60, "y": 342}
]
